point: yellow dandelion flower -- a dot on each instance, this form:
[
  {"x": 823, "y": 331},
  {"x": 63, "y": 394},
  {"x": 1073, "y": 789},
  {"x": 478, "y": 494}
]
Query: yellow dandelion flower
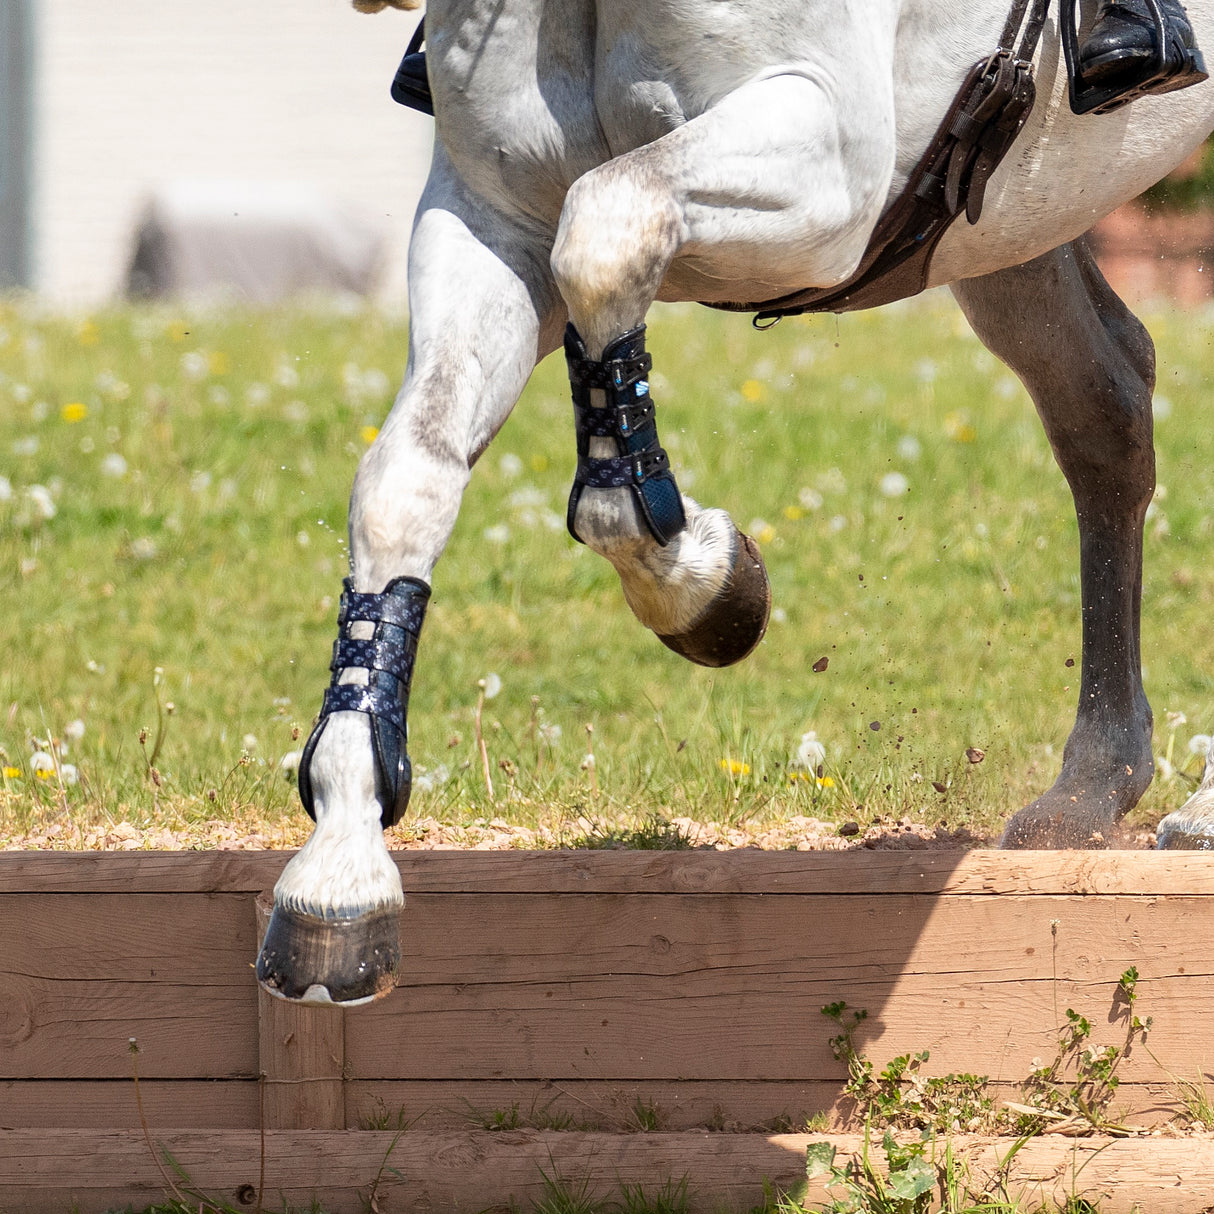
[
  {"x": 733, "y": 768},
  {"x": 88, "y": 334},
  {"x": 792, "y": 513},
  {"x": 958, "y": 429},
  {"x": 825, "y": 782},
  {"x": 218, "y": 362},
  {"x": 369, "y": 434},
  {"x": 42, "y": 773},
  {"x": 12, "y": 773},
  {"x": 539, "y": 463},
  {"x": 753, "y": 390},
  {"x": 178, "y": 331},
  {"x": 74, "y": 411}
]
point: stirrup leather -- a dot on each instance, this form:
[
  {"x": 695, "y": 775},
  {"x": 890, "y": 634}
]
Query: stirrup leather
[
  {"x": 388, "y": 658},
  {"x": 628, "y": 418}
]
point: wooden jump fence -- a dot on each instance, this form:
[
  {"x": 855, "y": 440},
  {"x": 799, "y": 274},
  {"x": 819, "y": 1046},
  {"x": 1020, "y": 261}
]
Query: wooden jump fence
[{"x": 568, "y": 998}]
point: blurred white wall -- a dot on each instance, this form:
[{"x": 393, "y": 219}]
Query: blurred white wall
[{"x": 136, "y": 93}]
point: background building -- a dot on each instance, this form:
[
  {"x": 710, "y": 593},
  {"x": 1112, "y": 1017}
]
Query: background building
[{"x": 102, "y": 104}]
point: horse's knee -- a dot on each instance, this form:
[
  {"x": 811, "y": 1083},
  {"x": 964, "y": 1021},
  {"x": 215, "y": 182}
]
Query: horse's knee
[{"x": 618, "y": 231}]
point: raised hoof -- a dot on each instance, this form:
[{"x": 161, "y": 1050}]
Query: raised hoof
[
  {"x": 736, "y": 619},
  {"x": 342, "y": 961}
]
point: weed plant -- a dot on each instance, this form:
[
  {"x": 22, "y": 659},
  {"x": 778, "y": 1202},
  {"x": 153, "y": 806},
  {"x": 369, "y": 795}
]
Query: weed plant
[{"x": 173, "y": 495}]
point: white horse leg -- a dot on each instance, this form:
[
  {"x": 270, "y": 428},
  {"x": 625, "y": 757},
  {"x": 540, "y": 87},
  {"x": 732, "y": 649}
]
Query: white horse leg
[
  {"x": 759, "y": 192},
  {"x": 475, "y": 334},
  {"x": 1090, "y": 368}
]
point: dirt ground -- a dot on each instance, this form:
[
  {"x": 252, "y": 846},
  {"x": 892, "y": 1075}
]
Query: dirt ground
[{"x": 496, "y": 834}]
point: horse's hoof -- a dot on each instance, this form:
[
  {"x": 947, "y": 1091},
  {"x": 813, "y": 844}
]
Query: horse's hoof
[
  {"x": 342, "y": 961},
  {"x": 1181, "y": 831},
  {"x": 1047, "y": 825},
  {"x": 736, "y": 619}
]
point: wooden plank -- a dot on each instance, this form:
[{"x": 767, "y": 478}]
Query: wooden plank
[
  {"x": 859, "y": 872},
  {"x": 302, "y": 1057},
  {"x": 169, "y": 1104},
  {"x": 46, "y": 1172},
  {"x": 683, "y": 1104},
  {"x": 680, "y": 1104},
  {"x": 730, "y": 988},
  {"x": 79, "y": 977}
]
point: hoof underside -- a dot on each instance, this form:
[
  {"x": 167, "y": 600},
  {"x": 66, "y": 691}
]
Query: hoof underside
[
  {"x": 736, "y": 619},
  {"x": 342, "y": 961}
]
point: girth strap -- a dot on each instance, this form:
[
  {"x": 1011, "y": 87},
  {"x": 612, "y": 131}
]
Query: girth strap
[
  {"x": 627, "y": 418},
  {"x": 388, "y": 659},
  {"x": 951, "y": 178}
]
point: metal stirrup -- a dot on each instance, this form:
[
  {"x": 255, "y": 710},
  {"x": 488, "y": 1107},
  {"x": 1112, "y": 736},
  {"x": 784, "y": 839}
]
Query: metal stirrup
[
  {"x": 628, "y": 418},
  {"x": 388, "y": 658}
]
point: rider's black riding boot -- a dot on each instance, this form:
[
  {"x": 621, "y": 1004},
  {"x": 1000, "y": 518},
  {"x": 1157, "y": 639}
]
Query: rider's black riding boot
[{"x": 1123, "y": 51}]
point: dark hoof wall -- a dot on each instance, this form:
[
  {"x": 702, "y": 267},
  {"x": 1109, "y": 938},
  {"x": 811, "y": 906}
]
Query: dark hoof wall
[
  {"x": 736, "y": 619},
  {"x": 342, "y": 961}
]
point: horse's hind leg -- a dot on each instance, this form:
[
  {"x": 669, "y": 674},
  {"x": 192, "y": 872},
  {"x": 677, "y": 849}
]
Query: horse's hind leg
[{"x": 1089, "y": 366}]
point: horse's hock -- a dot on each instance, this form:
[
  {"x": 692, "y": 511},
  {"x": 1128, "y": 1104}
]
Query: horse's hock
[{"x": 567, "y": 998}]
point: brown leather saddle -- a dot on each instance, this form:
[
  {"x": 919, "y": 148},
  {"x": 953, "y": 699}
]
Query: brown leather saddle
[{"x": 981, "y": 125}]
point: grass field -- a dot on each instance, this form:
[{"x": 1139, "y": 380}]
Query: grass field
[{"x": 172, "y": 511}]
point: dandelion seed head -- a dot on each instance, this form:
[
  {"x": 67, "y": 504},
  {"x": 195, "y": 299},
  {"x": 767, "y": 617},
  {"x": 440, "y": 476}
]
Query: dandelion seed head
[
  {"x": 909, "y": 447},
  {"x": 42, "y": 764},
  {"x": 113, "y": 465},
  {"x": 492, "y": 685},
  {"x": 1199, "y": 744},
  {"x": 510, "y": 465},
  {"x": 894, "y": 484},
  {"x": 74, "y": 730}
]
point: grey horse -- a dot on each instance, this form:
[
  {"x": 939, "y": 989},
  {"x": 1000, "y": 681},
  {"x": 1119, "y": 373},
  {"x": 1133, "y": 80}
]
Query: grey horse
[{"x": 595, "y": 156}]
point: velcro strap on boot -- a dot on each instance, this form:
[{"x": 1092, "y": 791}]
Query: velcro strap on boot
[
  {"x": 629, "y": 419},
  {"x": 388, "y": 658}
]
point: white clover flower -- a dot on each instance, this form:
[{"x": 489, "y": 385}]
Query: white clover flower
[
  {"x": 1199, "y": 744},
  {"x": 894, "y": 484},
  {"x": 74, "y": 730},
  {"x": 492, "y": 685},
  {"x": 113, "y": 465}
]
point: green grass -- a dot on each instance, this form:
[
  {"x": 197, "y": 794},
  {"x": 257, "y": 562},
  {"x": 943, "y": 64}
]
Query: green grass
[{"x": 213, "y": 550}]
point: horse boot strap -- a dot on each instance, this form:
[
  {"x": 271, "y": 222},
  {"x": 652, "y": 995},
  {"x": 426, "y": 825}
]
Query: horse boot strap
[
  {"x": 628, "y": 418},
  {"x": 388, "y": 658}
]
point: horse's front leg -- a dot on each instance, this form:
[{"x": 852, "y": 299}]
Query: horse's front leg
[
  {"x": 481, "y": 312},
  {"x": 1090, "y": 368},
  {"x": 760, "y": 192}
]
